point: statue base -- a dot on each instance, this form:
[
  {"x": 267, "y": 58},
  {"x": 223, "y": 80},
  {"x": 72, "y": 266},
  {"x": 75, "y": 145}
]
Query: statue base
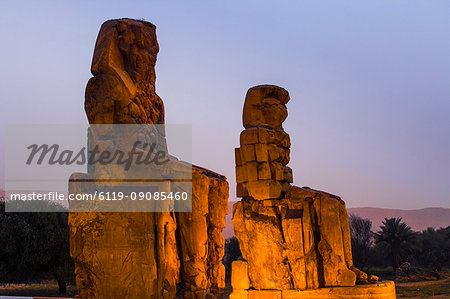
[{"x": 385, "y": 290}]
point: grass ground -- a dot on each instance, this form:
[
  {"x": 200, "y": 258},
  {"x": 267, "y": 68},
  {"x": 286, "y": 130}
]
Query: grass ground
[
  {"x": 42, "y": 289},
  {"x": 420, "y": 289},
  {"x": 383, "y": 273},
  {"x": 424, "y": 289}
]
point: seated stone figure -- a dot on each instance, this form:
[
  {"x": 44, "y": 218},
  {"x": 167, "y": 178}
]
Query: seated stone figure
[
  {"x": 133, "y": 254},
  {"x": 291, "y": 237}
]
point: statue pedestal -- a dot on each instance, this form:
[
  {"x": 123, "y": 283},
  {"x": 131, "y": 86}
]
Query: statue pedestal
[{"x": 385, "y": 290}]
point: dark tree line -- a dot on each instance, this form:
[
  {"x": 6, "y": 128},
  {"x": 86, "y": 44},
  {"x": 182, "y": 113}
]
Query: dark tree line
[
  {"x": 396, "y": 243},
  {"x": 435, "y": 248},
  {"x": 35, "y": 245}
]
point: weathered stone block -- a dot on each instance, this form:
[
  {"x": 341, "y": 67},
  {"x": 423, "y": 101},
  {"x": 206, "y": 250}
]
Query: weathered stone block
[
  {"x": 238, "y": 157},
  {"x": 252, "y": 171},
  {"x": 239, "y": 275},
  {"x": 264, "y": 172},
  {"x": 286, "y": 140},
  {"x": 287, "y": 174},
  {"x": 248, "y": 153},
  {"x": 266, "y": 189},
  {"x": 264, "y": 294},
  {"x": 371, "y": 291},
  {"x": 284, "y": 156},
  {"x": 239, "y": 294},
  {"x": 273, "y": 152},
  {"x": 331, "y": 246},
  {"x": 265, "y": 106},
  {"x": 249, "y": 136},
  {"x": 295, "y": 192},
  {"x": 241, "y": 174},
  {"x": 277, "y": 171},
  {"x": 262, "y": 154},
  {"x": 260, "y": 241},
  {"x": 266, "y": 135},
  {"x": 276, "y": 136},
  {"x": 241, "y": 190},
  {"x": 293, "y": 236}
]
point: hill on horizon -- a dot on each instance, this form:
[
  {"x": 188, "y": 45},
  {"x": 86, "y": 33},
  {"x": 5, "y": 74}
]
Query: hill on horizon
[{"x": 418, "y": 220}]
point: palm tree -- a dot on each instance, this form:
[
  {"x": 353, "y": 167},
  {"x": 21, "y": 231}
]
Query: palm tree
[{"x": 395, "y": 240}]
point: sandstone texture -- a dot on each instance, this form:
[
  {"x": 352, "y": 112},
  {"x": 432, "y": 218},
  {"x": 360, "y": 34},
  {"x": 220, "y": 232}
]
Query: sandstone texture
[
  {"x": 380, "y": 290},
  {"x": 261, "y": 171},
  {"x": 239, "y": 275},
  {"x": 295, "y": 242},
  {"x": 135, "y": 254},
  {"x": 123, "y": 87},
  {"x": 292, "y": 238}
]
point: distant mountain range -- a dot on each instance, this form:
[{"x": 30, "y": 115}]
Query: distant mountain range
[{"x": 418, "y": 220}]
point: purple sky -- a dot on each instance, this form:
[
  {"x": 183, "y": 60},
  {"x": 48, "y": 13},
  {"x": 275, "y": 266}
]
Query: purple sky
[{"x": 369, "y": 83}]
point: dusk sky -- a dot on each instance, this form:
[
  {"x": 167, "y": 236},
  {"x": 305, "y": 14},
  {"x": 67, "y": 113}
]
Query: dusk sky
[{"x": 369, "y": 116}]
